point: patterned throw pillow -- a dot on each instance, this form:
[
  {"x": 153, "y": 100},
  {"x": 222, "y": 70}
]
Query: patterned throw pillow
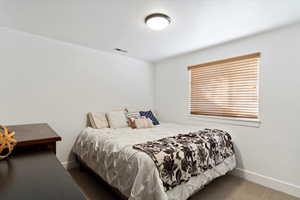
[
  {"x": 131, "y": 116},
  {"x": 150, "y": 115},
  {"x": 131, "y": 122},
  {"x": 141, "y": 122}
]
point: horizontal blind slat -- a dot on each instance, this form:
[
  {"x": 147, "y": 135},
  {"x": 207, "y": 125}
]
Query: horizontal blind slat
[
  {"x": 232, "y": 64},
  {"x": 226, "y": 87},
  {"x": 229, "y": 60},
  {"x": 227, "y": 111},
  {"x": 235, "y": 112},
  {"x": 215, "y": 103},
  {"x": 230, "y": 68},
  {"x": 224, "y": 75},
  {"x": 249, "y": 78},
  {"x": 252, "y": 116}
]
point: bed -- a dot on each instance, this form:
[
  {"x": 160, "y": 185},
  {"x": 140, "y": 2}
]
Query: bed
[{"x": 110, "y": 154}]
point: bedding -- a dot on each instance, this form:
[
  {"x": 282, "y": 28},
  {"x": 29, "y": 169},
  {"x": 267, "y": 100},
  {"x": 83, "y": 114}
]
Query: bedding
[
  {"x": 180, "y": 157},
  {"x": 110, "y": 154}
]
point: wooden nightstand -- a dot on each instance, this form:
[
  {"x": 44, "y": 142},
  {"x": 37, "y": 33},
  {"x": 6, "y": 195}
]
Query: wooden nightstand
[
  {"x": 35, "y": 137},
  {"x": 32, "y": 171}
]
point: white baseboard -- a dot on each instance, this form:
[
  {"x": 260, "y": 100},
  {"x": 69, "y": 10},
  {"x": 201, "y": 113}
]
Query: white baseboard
[
  {"x": 270, "y": 182},
  {"x": 70, "y": 164}
]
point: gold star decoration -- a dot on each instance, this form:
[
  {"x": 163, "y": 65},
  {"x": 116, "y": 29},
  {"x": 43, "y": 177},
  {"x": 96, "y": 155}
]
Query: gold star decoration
[{"x": 7, "y": 142}]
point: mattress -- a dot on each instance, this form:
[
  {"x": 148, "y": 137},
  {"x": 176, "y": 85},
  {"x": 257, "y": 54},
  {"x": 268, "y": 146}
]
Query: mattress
[{"x": 109, "y": 153}]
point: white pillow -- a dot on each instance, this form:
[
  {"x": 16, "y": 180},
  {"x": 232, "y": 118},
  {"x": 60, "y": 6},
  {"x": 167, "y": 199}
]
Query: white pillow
[
  {"x": 117, "y": 119},
  {"x": 98, "y": 120}
]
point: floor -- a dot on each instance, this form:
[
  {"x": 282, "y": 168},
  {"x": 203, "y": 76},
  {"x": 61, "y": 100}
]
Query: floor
[{"x": 227, "y": 187}]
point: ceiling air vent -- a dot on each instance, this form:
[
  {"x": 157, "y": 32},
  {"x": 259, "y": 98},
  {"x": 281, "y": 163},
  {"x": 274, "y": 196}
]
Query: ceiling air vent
[{"x": 121, "y": 50}]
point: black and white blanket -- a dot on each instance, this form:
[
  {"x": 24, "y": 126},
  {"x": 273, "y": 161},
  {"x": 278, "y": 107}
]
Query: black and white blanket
[{"x": 180, "y": 157}]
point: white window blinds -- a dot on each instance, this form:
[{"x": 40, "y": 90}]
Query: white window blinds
[{"x": 227, "y": 88}]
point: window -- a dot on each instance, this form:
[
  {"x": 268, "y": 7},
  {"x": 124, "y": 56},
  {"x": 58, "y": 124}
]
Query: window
[{"x": 226, "y": 88}]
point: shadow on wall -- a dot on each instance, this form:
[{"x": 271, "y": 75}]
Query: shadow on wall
[
  {"x": 239, "y": 159},
  {"x": 72, "y": 163}
]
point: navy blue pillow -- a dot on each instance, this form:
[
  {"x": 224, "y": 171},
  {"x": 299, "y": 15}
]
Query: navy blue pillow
[{"x": 150, "y": 115}]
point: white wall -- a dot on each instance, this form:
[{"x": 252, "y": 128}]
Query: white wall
[
  {"x": 269, "y": 154},
  {"x": 44, "y": 80}
]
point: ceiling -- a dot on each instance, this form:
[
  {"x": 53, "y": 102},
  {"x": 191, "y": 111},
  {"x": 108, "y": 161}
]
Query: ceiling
[{"x": 109, "y": 24}]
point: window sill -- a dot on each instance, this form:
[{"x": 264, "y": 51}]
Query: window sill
[{"x": 227, "y": 120}]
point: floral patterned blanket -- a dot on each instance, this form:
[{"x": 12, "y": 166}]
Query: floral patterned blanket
[{"x": 180, "y": 157}]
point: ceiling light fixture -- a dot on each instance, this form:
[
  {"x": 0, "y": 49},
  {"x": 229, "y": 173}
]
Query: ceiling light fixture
[{"x": 157, "y": 21}]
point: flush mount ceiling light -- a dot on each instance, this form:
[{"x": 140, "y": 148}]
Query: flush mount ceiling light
[{"x": 157, "y": 21}]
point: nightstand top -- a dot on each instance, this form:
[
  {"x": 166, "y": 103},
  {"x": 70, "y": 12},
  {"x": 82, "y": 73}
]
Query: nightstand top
[{"x": 30, "y": 134}]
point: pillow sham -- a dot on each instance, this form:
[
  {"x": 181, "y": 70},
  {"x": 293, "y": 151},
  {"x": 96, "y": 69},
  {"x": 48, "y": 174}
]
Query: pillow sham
[
  {"x": 117, "y": 119},
  {"x": 150, "y": 115},
  {"x": 97, "y": 120}
]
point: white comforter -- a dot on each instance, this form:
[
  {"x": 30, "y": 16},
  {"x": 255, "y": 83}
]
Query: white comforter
[{"x": 110, "y": 154}]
